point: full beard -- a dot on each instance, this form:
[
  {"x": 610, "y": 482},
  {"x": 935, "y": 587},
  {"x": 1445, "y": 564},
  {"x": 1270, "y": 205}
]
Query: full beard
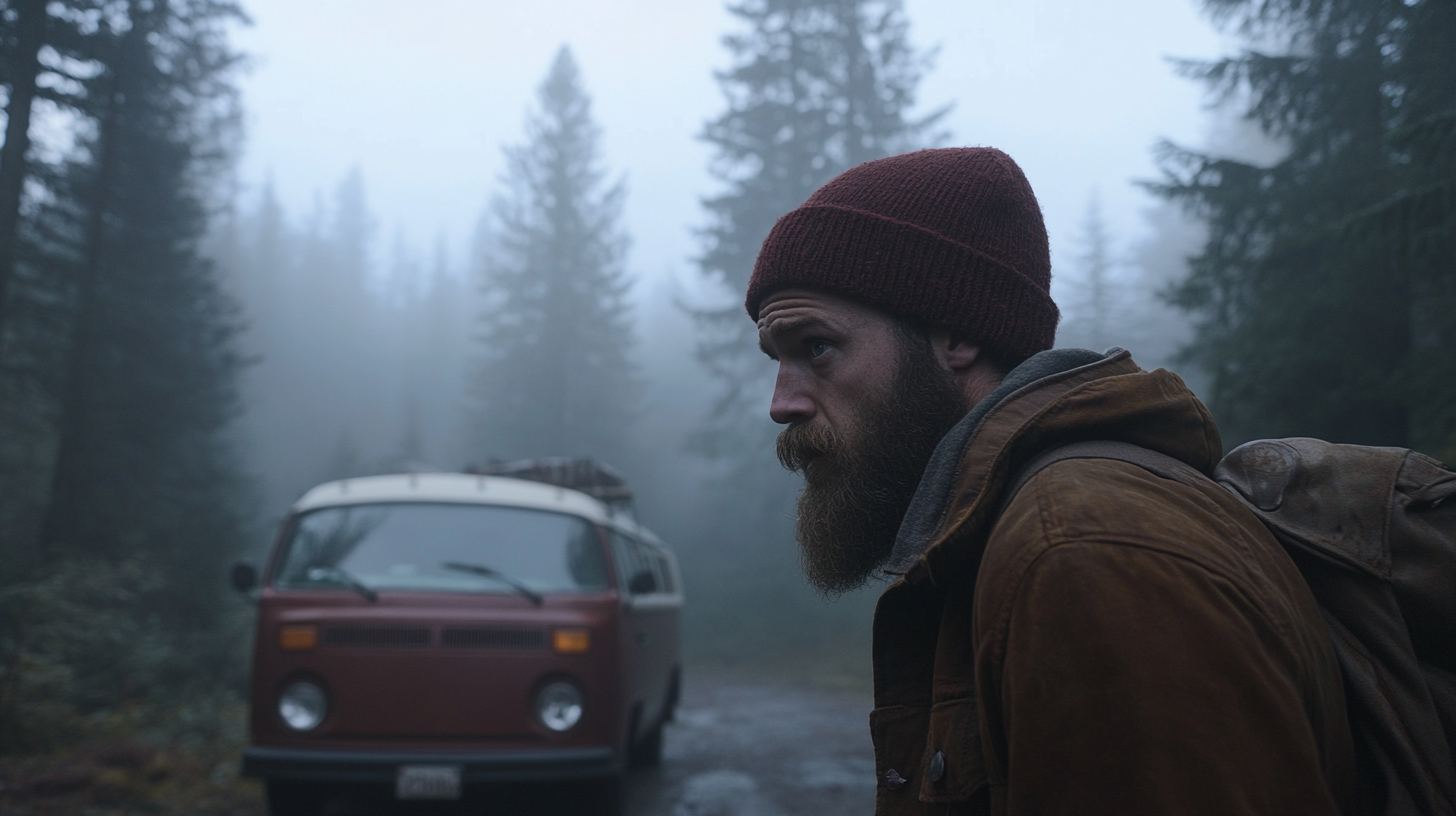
[{"x": 859, "y": 483}]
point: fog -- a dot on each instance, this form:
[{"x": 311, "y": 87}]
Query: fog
[
  {"x": 422, "y": 103},
  {"x": 251, "y": 246},
  {"x": 358, "y": 230}
]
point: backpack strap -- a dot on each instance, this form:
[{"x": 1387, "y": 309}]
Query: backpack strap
[{"x": 1159, "y": 464}]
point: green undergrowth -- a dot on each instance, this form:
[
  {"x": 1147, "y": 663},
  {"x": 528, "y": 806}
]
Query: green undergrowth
[
  {"x": 138, "y": 762},
  {"x": 110, "y": 706}
]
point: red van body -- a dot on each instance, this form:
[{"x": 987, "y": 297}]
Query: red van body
[{"x": 393, "y": 663}]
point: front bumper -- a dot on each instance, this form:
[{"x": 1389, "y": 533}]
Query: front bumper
[{"x": 475, "y": 766}]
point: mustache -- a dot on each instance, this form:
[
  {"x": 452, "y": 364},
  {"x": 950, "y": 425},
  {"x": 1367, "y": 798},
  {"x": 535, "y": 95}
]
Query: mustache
[{"x": 798, "y": 444}]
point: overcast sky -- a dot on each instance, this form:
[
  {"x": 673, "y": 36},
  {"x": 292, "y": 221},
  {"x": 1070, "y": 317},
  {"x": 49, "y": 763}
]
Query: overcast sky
[{"x": 422, "y": 95}]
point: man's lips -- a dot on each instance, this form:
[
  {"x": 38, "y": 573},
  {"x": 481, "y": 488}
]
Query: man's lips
[{"x": 815, "y": 464}]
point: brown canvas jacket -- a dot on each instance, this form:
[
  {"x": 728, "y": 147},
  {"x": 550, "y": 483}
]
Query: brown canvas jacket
[{"x": 1115, "y": 642}]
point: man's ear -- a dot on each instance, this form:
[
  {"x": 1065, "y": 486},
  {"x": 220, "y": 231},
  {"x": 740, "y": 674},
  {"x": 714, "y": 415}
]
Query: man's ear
[
  {"x": 957, "y": 353},
  {"x": 962, "y": 354}
]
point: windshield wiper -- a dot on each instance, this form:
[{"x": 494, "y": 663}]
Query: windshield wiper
[
  {"x": 343, "y": 577},
  {"x": 488, "y": 572}
]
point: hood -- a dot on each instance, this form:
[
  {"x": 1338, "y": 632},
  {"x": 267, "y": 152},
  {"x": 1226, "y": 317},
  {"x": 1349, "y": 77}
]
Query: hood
[{"x": 1055, "y": 398}]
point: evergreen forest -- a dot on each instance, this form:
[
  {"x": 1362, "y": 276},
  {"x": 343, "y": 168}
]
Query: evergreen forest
[{"x": 182, "y": 355}]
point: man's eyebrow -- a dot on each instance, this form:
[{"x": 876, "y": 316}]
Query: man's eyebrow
[{"x": 785, "y": 325}]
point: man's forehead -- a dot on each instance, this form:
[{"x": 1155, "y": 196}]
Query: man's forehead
[{"x": 792, "y": 307}]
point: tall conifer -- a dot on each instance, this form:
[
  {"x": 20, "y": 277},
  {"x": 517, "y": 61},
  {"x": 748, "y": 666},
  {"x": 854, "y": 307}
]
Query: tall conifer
[
  {"x": 1315, "y": 317},
  {"x": 132, "y": 343},
  {"x": 146, "y": 394},
  {"x": 35, "y": 228},
  {"x": 554, "y": 375},
  {"x": 1091, "y": 314},
  {"x": 814, "y": 88},
  {"x": 23, "y": 31}
]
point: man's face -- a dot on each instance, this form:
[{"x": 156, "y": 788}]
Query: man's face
[{"x": 866, "y": 402}]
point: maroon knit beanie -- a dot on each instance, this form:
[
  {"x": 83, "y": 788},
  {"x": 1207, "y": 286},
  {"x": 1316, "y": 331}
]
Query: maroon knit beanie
[{"x": 949, "y": 239}]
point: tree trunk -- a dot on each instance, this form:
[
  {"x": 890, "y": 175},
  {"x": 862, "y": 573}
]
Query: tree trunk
[
  {"x": 71, "y": 444},
  {"x": 30, "y": 31}
]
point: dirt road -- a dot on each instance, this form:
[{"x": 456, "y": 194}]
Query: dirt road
[
  {"x": 736, "y": 749},
  {"x": 752, "y": 749}
]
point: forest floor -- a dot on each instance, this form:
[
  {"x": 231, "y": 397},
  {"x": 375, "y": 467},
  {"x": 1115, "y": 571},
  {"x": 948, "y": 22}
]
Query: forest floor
[
  {"x": 740, "y": 747},
  {"x": 128, "y": 777}
]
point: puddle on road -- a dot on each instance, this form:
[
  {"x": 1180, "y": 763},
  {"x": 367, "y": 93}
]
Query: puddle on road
[{"x": 760, "y": 749}]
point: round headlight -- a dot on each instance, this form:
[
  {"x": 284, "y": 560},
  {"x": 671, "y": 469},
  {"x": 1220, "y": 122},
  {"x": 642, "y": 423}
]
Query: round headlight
[
  {"x": 302, "y": 705},
  {"x": 559, "y": 706}
]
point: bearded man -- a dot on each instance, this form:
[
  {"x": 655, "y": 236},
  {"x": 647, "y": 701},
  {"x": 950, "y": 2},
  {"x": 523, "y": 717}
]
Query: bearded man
[{"x": 1098, "y": 639}]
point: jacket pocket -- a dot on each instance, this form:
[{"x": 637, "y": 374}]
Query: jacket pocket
[
  {"x": 952, "y": 767},
  {"x": 899, "y": 736}
]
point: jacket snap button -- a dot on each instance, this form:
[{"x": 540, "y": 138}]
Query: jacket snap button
[
  {"x": 936, "y": 771},
  {"x": 893, "y": 780}
]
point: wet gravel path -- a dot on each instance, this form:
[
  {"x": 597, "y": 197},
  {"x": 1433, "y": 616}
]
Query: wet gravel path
[
  {"x": 750, "y": 749},
  {"x": 736, "y": 749}
]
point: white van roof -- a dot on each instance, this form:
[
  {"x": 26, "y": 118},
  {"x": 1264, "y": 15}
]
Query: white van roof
[{"x": 465, "y": 488}]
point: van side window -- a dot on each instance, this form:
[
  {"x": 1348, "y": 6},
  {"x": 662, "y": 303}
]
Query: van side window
[
  {"x": 635, "y": 572},
  {"x": 664, "y": 572}
]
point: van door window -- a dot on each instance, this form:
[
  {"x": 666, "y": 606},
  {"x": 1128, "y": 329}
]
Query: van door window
[
  {"x": 637, "y": 570},
  {"x": 666, "y": 572},
  {"x": 652, "y": 560}
]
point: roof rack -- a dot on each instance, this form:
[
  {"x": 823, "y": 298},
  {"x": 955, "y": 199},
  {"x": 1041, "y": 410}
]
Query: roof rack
[{"x": 596, "y": 479}]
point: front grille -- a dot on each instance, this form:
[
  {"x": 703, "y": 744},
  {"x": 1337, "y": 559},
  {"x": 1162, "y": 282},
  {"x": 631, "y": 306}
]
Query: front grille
[
  {"x": 377, "y": 636},
  {"x": 493, "y": 638}
]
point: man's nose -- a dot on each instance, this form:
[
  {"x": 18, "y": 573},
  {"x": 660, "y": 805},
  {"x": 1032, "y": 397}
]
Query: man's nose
[{"x": 791, "y": 402}]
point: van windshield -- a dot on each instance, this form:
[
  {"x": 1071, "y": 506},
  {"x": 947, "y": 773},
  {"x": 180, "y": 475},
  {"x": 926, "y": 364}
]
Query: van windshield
[{"x": 406, "y": 546}]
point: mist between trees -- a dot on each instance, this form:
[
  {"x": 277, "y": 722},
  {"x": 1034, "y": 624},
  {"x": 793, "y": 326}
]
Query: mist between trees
[{"x": 179, "y": 360}]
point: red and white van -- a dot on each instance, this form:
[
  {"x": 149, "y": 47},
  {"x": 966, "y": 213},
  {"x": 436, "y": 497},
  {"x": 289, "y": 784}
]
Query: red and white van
[{"x": 433, "y": 631}]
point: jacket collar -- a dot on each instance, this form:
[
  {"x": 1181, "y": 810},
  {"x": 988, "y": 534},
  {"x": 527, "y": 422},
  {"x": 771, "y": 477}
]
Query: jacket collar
[
  {"x": 933, "y": 496},
  {"x": 1053, "y": 399}
]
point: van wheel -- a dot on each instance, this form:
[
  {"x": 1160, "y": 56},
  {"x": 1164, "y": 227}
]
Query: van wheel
[
  {"x": 291, "y": 798},
  {"x": 647, "y": 753}
]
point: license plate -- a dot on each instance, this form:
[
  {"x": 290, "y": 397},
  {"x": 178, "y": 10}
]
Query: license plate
[{"x": 427, "y": 782}]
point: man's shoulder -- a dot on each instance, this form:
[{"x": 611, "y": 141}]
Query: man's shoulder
[
  {"x": 1088, "y": 499},
  {"x": 1105, "y": 511}
]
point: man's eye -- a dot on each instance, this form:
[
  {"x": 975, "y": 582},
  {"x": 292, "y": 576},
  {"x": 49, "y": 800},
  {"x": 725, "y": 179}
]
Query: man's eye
[{"x": 817, "y": 348}]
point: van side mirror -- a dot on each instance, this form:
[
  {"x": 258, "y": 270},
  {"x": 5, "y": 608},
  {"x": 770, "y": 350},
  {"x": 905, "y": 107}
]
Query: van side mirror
[
  {"x": 642, "y": 583},
  {"x": 243, "y": 576}
]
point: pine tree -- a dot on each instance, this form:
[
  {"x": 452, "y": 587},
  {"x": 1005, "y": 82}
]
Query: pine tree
[
  {"x": 1314, "y": 319},
  {"x": 1092, "y": 314},
  {"x": 324, "y": 337},
  {"x": 554, "y": 375},
  {"x": 29, "y": 28},
  {"x": 436, "y": 339},
  {"x": 34, "y": 306},
  {"x": 1416, "y": 225},
  {"x": 131, "y": 339},
  {"x": 142, "y": 466},
  {"x": 815, "y": 87},
  {"x": 24, "y": 34}
]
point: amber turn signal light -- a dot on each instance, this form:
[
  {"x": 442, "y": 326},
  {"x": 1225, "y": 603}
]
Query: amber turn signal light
[
  {"x": 571, "y": 641},
  {"x": 298, "y": 637}
]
